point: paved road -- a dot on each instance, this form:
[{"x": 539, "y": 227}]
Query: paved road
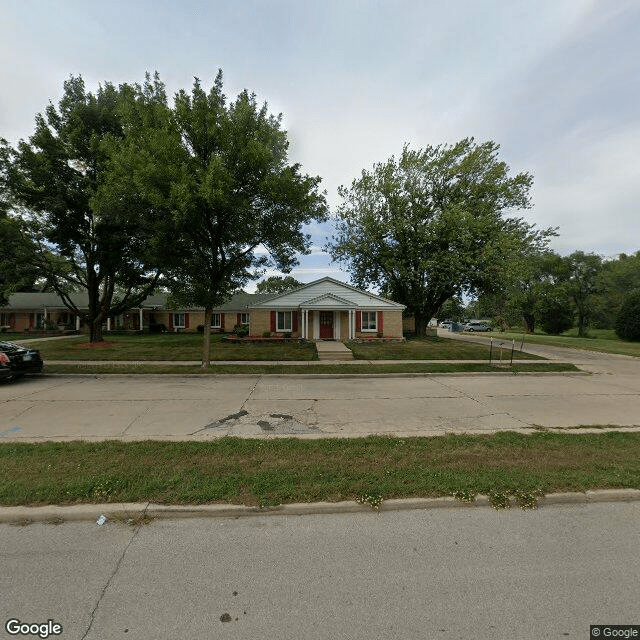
[
  {"x": 197, "y": 407},
  {"x": 443, "y": 574}
]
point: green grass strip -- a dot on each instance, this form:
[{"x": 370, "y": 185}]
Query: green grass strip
[
  {"x": 310, "y": 369},
  {"x": 278, "y": 471}
]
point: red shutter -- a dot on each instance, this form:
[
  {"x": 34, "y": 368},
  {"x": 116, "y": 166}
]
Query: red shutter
[
  {"x": 12, "y": 320},
  {"x": 239, "y": 319},
  {"x": 186, "y": 320},
  {"x": 273, "y": 322},
  {"x": 380, "y": 322},
  {"x": 294, "y": 321},
  {"x": 221, "y": 321},
  {"x": 358, "y": 320}
]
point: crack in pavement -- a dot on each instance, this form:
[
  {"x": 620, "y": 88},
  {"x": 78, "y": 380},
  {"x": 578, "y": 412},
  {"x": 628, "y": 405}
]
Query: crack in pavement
[
  {"x": 491, "y": 410},
  {"x": 135, "y": 419},
  {"x": 251, "y": 392},
  {"x": 112, "y": 576}
]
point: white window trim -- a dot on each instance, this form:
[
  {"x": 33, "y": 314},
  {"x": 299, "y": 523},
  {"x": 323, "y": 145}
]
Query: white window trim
[
  {"x": 375, "y": 316},
  {"x": 213, "y": 321},
  {"x": 176, "y": 322},
  {"x": 245, "y": 318},
  {"x": 283, "y": 315}
]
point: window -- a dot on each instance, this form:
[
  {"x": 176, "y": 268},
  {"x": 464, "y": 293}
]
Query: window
[
  {"x": 284, "y": 320},
  {"x": 39, "y": 320},
  {"x": 244, "y": 318},
  {"x": 369, "y": 321},
  {"x": 5, "y": 320},
  {"x": 215, "y": 321},
  {"x": 178, "y": 320}
]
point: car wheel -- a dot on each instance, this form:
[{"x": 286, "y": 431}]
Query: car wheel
[{"x": 470, "y": 329}]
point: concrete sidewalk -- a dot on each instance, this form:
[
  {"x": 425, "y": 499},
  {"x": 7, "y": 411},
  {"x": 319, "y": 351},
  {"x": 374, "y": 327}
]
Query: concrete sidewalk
[{"x": 301, "y": 363}]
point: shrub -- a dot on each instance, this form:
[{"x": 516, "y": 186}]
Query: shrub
[
  {"x": 266, "y": 334},
  {"x": 628, "y": 318},
  {"x": 241, "y": 330},
  {"x": 200, "y": 328},
  {"x": 157, "y": 328}
]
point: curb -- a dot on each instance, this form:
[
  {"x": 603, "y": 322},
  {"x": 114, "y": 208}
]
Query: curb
[{"x": 133, "y": 511}]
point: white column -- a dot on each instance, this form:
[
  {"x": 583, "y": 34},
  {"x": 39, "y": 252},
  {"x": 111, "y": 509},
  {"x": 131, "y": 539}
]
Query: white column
[
  {"x": 140, "y": 318},
  {"x": 108, "y": 324},
  {"x": 305, "y": 323},
  {"x": 77, "y": 323}
]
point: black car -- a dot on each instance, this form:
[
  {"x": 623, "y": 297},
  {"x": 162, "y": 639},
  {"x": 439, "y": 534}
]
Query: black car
[{"x": 16, "y": 361}]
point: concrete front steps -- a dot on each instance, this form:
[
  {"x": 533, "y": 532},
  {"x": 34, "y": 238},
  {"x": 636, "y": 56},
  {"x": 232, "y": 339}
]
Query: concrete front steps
[{"x": 333, "y": 350}]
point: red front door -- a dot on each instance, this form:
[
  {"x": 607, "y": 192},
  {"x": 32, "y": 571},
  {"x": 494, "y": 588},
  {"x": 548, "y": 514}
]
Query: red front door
[{"x": 326, "y": 325}]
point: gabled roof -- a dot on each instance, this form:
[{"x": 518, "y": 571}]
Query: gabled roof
[
  {"x": 328, "y": 286},
  {"x": 329, "y": 300}
]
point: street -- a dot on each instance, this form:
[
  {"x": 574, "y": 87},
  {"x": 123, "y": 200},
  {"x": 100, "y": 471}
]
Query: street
[{"x": 443, "y": 573}]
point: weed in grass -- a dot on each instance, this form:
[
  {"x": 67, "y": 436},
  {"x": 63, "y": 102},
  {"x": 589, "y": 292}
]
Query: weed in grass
[
  {"x": 464, "y": 495},
  {"x": 373, "y": 500},
  {"x": 499, "y": 500},
  {"x": 528, "y": 499}
]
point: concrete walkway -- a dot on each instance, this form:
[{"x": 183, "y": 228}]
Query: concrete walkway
[{"x": 333, "y": 350}]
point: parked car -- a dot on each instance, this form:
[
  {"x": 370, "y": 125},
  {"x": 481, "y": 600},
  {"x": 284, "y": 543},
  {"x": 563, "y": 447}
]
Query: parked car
[
  {"x": 476, "y": 325},
  {"x": 16, "y": 361},
  {"x": 445, "y": 325}
]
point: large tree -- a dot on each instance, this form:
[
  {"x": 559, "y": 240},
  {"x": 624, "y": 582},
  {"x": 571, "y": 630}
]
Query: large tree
[
  {"x": 583, "y": 284},
  {"x": 84, "y": 239},
  {"x": 277, "y": 284},
  {"x": 431, "y": 225},
  {"x": 226, "y": 184}
]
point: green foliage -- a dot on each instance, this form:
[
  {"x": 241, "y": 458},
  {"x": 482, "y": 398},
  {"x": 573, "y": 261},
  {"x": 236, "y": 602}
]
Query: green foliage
[
  {"x": 553, "y": 310},
  {"x": 429, "y": 226},
  {"x": 628, "y": 318},
  {"x": 618, "y": 277},
  {"x": 241, "y": 330},
  {"x": 83, "y": 237},
  {"x": 225, "y": 184},
  {"x": 277, "y": 284},
  {"x": 583, "y": 271}
]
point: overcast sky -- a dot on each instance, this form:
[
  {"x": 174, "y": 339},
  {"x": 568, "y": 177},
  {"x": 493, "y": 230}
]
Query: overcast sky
[{"x": 555, "y": 82}]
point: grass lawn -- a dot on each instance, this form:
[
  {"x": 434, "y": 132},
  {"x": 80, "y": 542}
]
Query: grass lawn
[
  {"x": 428, "y": 348},
  {"x": 169, "y": 346},
  {"x": 604, "y": 340},
  {"x": 8, "y": 336},
  {"x": 269, "y": 472},
  {"x": 346, "y": 368}
]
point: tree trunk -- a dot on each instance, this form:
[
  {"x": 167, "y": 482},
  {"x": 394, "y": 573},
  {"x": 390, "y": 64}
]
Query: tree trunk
[
  {"x": 206, "y": 338},
  {"x": 529, "y": 322},
  {"x": 421, "y": 324},
  {"x": 95, "y": 330}
]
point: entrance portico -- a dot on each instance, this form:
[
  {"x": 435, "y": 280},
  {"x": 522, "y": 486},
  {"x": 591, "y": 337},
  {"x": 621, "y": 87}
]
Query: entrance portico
[{"x": 328, "y": 317}]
